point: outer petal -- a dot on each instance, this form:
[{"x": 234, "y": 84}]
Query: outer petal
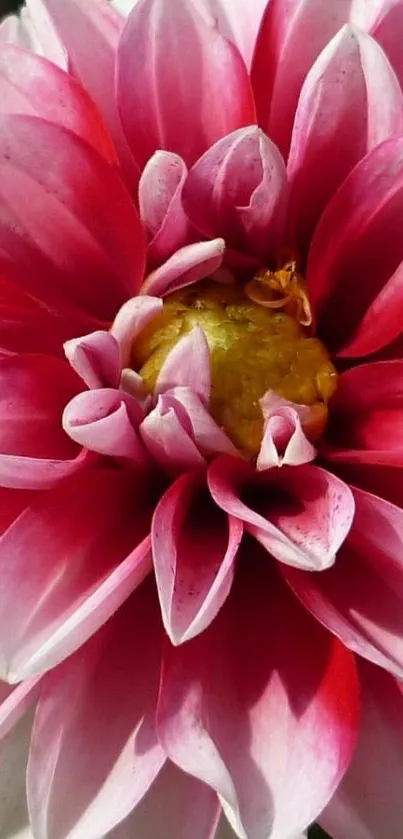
[
  {"x": 367, "y": 416},
  {"x": 348, "y": 260},
  {"x": 237, "y": 20},
  {"x": 59, "y": 583},
  {"x": 171, "y": 66},
  {"x": 175, "y": 802},
  {"x": 32, "y": 85},
  {"x": 194, "y": 564},
  {"x": 291, "y": 37},
  {"x": 188, "y": 365},
  {"x": 14, "y": 819},
  {"x": 386, "y": 23},
  {"x": 75, "y": 237},
  {"x": 360, "y": 599},
  {"x": 350, "y": 90},
  {"x": 94, "y": 749},
  {"x": 244, "y": 706},
  {"x": 368, "y": 803},
  {"x": 188, "y": 265},
  {"x": 301, "y": 515},
  {"x": 99, "y": 25},
  {"x": 30, "y": 330},
  {"x": 161, "y": 209},
  {"x": 237, "y": 190},
  {"x": 37, "y": 19}
]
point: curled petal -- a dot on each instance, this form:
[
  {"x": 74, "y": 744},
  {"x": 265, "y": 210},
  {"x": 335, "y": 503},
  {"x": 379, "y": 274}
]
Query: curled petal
[
  {"x": 96, "y": 358},
  {"x": 84, "y": 777},
  {"x": 160, "y": 203},
  {"x": 168, "y": 439},
  {"x": 106, "y": 421},
  {"x": 131, "y": 319},
  {"x": 188, "y": 365},
  {"x": 209, "y": 437},
  {"x": 188, "y": 265},
  {"x": 194, "y": 565},
  {"x": 32, "y": 85},
  {"x": 301, "y": 515},
  {"x": 352, "y": 89},
  {"x": 165, "y": 92},
  {"x": 237, "y": 190},
  {"x": 219, "y": 694},
  {"x": 284, "y": 441}
]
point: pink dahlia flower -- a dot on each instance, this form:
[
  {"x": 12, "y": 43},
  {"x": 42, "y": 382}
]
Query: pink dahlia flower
[{"x": 201, "y": 419}]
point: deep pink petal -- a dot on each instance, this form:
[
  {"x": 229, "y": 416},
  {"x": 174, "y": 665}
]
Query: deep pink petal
[
  {"x": 160, "y": 204},
  {"x": 106, "y": 421},
  {"x": 32, "y": 85},
  {"x": 368, "y": 802},
  {"x": 194, "y": 564},
  {"x": 171, "y": 66},
  {"x": 175, "y": 799},
  {"x": 237, "y": 21},
  {"x": 188, "y": 265},
  {"x": 95, "y": 358},
  {"x": 349, "y": 264},
  {"x": 301, "y": 515},
  {"x": 168, "y": 438},
  {"x": 67, "y": 563},
  {"x": 99, "y": 25},
  {"x": 188, "y": 365},
  {"x": 382, "y": 322},
  {"x": 249, "y": 723},
  {"x": 291, "y": 37},
  {"x": 24, "y": 330},
  {"x": 350, "y": 90},
  {"x": 366, "y": 416},
  {"x": 130, "y": 320},
  {"x": 93, "y": 757},
  {"x": 360, "y": 598},
  {"x": 237, "y": 190},
  {"x": 74, "y": 237}
]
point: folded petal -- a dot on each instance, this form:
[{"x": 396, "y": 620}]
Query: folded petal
[
  {"x": 32, "y": 85},
  {"x": 348, "y": 264},
  {"x": 188, "y": 365},
  {"x": 161, "y": 209},
  {"x": 84, "y": 777},
  {"x": 59, "y": 583},
  {"x": 237, "y": 190},
  {"x": 106, "y": 421},
  {"x": 290, "y": 38},
  {"x": 130, "y": 320},
  {"x": 95, "y": 358},
  {"x": 167, "y": 435},
  {"x": 368, "y": 802},
  {"x": 171, "y": 66},
  {"x": 249, "y": 724},
  {"x": 188, "y": 265},
  {"x": 301, "y": 515},
  {"x": 351, "y": 89},
  {"x": 366, "y": 416},
  {"x": 194, "y": 564},
  {"x": 99, "y": 25},
  {"x": 360, "y": 598},
  {"x": 209, "y": 437},
  {"x": 74, "y": 237},
  {"x": 284, "y": 441}
]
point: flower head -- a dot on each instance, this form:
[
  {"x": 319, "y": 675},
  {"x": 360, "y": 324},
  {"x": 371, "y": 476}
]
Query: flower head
[{"x": 201, "y": 415}]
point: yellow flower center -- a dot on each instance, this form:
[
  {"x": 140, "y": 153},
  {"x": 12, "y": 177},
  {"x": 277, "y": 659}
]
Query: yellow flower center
[{"x": 258, "y": 342}]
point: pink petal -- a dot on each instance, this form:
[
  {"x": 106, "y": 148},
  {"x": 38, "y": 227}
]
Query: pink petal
[
  {"x": 368, "y": 802},
  {"x": 161, "y": 209},
  {"x": 236, "y": 20},
  {"x": 386, "y": 27},
  {"x": 99, "y": 25},
  {"x": 60, "y": 583},
  {"x": 348, "y": 261},
  {"x": 130, "y": 320},
  {"x": 209, "y": 437},
  {"x": 352, "y": 89},
  {"x": 244, "y": 705},
  {"x": 301, "y": 515},
  {"x": 40, "y": 23},
  {"x": 16, "y": 703},
  {"x": 75, "y": 238},
  {"x": 360, "y": 599},
  {"x": 176, "y": 800},
  {"x": 237, "y": 190},
  {"x": 194, "y": 564},
  {"x": 93, "y": 759},
  {"x": 168, "y": 438},
  {"x": 35, "y": 452},
  {"x": 37, "y": 87},
  {"x": 188, "y": 365},
  {"x": 106, "y": 421},
  {"x": 171, "y": 66},
  {"x": 14, "y": 818},
  {"x": 284, "y": 441},
  {"x": 188, "y": 265},
  {"x": 367, "y": 415},
  {"x": 95, "y": 358},
  {"x": 291, "y": 37}
]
